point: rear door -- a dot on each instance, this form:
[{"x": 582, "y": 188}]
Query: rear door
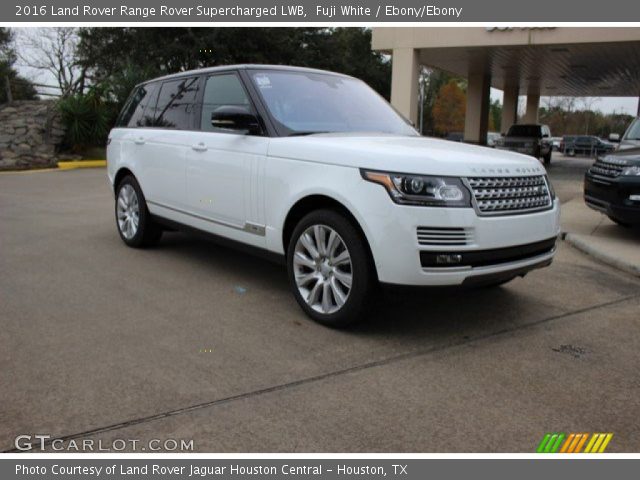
[
  {"x": 132, "y": 132},
  {"x": 167, "y": 141},
  {"x": 224, "y": 166}
]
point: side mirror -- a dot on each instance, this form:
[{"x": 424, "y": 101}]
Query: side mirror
[{"x": 235, "y": 117}]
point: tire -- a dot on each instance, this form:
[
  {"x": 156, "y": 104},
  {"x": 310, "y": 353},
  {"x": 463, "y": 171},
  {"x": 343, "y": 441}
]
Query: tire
[
  {"x": 133, "y": 220},
  {"x": 333, "y": 288},
  {"x": 547, "y": 158}
]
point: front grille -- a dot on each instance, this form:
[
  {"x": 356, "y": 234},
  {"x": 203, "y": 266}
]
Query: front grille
[
  {"x": 448, "y": 236},
  {"x": 607, "y": 168},
  {"x": 510, "y": 195}
]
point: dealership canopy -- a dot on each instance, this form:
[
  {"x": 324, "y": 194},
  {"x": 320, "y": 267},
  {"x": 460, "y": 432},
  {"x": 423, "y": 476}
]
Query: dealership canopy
[{"x": 562, "y": 61}]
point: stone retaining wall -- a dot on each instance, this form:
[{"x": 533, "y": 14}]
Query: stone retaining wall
[{"x": 30, "y": 133}]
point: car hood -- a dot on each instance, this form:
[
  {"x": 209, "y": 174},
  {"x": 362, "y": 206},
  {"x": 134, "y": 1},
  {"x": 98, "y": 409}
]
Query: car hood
[
  {"x": 631, "y": 155},
  {"x": 404, "y": 154}
]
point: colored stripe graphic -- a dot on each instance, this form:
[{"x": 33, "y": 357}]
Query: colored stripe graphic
[
  {"x": 555, "y": 442},
  {"x": 551, "y": 443}
]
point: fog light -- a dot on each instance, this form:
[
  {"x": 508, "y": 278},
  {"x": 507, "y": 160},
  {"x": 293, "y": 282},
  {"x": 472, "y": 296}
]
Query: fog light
[{"x": 448, "y": 259}]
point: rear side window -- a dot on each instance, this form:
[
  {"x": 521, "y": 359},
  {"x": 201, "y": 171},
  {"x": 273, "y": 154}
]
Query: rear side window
[
  {"x": 176, "y": 104},
  {"x": 138, "y": 111},
  {"x": 221, "y": 90}
]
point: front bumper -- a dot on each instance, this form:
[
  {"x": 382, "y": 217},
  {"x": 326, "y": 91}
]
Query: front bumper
[
  {"x": 399, "y": 254},
  {"x": 611, "y": 197}
]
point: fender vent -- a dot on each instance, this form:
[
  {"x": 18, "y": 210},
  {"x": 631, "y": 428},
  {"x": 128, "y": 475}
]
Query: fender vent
[{"x": 444, "y": 236}]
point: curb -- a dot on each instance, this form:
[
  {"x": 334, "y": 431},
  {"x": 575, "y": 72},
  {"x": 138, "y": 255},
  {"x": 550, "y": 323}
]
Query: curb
[
  {"x": 73, "y": 164},
  {"x": 62, "y": 165},
  {"x": 610, "y": 260}
]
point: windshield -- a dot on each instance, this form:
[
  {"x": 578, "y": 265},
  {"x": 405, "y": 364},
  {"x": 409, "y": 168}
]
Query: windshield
[
  {"x": 524, "y": 131},
  {"x": 308, "y": 102},
  {"x": 634, "y": 131}
]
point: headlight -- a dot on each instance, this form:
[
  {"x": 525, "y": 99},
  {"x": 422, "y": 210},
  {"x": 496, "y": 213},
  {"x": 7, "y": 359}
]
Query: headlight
[
  {"x": 552, "y": 192},
  {"x": 422, "y": 190},
  {"x": 632, "y": 171}
]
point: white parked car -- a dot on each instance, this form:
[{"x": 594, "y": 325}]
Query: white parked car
[{"x": 318, "y": 168}]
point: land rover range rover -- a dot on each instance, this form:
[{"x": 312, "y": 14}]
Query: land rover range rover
[{"x": 318, "y": 168}]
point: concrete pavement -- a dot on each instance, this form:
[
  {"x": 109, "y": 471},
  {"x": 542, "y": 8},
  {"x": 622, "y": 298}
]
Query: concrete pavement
[
  {"x": 192, "y": 340},
  {"x": 596, "y": 235}
]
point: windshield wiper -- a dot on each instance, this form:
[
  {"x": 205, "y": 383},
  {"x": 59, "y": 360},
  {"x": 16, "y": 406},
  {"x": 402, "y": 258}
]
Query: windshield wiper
[{"x": 302, "y": 134}]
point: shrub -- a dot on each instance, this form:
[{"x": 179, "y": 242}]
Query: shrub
[{"x": 87, "y": 119}]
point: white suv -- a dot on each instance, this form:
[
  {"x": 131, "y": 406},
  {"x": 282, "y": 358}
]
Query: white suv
[{"x": 317, "y": 167}]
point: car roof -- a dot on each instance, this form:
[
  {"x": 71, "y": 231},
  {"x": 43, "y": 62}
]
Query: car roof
[{"x": 244, "y": 66}]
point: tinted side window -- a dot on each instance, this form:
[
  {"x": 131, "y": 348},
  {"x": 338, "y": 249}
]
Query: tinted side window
[
  {"x": 176, "y": 104},
  {"x": 225, "y": 89},
  {"x": 140, "y": 104}
]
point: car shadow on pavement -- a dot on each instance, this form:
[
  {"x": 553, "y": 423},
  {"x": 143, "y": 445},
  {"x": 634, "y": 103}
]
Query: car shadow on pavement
[{"x": 413, "y": 312}]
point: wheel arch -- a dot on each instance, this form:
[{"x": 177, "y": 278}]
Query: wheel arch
[
  {"x": 312, "y": 202},
  {"x": 120, "y": 174}
]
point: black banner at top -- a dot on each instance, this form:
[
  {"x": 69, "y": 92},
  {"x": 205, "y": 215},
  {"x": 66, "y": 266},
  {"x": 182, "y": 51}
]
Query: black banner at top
[{"x": 317, "y": 11}]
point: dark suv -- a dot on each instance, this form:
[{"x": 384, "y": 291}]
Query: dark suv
[
  {"x": 612, "y": 186},
  {"x": 587, "y": 145},
  {"x": 533, "y": 139}
]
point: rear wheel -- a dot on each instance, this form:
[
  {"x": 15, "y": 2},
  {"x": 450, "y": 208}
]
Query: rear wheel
[
  {"x": 135, "y": 225},
  {"x": 330, "y": 270}
]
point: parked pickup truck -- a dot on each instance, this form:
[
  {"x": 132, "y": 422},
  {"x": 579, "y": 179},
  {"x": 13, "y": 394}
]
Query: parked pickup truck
[{"x": 534, "y": 140}]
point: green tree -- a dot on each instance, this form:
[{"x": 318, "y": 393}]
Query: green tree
[
  {"x": 20, "y": 87},
  {"x": 107, "y": 52},
  {"x": 495, "y": 116},
  {"x": 433, "y": 80}
]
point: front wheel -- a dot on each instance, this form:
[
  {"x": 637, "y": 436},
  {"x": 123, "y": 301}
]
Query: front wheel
[
  {"x": 330, "y": 269},
  {"x": 547, "y": 158}
]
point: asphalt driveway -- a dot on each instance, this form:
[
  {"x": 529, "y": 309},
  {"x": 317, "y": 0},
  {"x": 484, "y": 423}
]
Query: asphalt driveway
[{"x": 193, "y": 340}]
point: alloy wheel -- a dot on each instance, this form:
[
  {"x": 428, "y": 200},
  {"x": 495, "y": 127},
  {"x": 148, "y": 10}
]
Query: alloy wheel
[
  {"x": 322, "y": 269},
  {"x": 128, "y": 211}
]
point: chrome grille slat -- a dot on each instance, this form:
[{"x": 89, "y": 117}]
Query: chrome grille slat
[
  {"x": 431, "y": 236},
  {"x": 606, "y": 169},
  {"x": 510, "y": 195}
]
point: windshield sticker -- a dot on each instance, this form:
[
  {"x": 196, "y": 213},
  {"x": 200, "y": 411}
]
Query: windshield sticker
[{"x": 263, "y": 81}]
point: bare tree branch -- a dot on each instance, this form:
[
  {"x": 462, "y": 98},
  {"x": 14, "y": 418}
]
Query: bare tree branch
[{"x": 53, "y": 50}]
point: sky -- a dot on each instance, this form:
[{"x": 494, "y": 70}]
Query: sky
[{"x": 628, "y": 105}]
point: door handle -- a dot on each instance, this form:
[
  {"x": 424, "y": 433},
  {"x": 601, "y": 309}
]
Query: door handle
[
  {"x": 199, "y": 147},
  {"x": 140, "y": 141}
]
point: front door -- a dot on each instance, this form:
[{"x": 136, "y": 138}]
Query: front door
[{"x": 223, "y": 166}]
